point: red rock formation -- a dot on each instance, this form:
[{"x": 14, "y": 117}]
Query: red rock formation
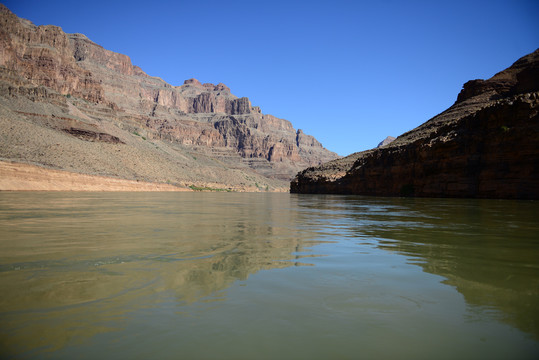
[
  {"x": 44, "y": 56},
  {"x": 193, "y": 114}
]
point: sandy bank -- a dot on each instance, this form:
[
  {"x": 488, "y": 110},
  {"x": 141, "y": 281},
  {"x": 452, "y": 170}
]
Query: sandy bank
[{"x": 19, "y": 177}]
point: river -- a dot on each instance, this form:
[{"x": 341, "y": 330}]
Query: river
[{"x": 266, "y": 276}]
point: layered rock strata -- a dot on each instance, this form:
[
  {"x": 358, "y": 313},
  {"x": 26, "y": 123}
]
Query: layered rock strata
[
  {"x": 485, "y": 145},
  {"x": 67, "y": 84}
]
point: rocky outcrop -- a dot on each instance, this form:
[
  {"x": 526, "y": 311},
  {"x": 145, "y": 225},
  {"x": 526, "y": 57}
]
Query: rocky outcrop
[
  {"x": 484, "y": 146},
  {"x": 520, "y": 78},
  {"x": 89, "y": 135},
  {"x": 388, "y": 140},
  {"x": 83, "y": 49},
  {"x": 49, "y": 67}
]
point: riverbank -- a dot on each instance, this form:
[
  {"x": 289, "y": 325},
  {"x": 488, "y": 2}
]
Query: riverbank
[{"x": 26, "y": 177}]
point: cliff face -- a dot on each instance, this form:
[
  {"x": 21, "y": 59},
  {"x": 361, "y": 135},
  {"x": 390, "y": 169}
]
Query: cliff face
[
  {"x": 485, "y": 146},
  {"x": 43, "y": 56},
  {"x": 65, "y": 81}
]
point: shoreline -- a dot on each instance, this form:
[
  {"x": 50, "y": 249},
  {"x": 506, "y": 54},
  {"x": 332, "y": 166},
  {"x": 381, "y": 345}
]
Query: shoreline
[{"x": 25, "y": 177}]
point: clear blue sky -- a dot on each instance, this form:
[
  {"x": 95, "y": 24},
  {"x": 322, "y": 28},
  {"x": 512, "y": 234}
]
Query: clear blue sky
[{"x": 348, "y": 72}]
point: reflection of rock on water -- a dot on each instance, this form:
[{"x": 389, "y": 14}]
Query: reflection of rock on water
[
  {"x": 486, "y": 249},
  {"x": 128, "y": 252},
  {"x": 206, "y": 276},
  {"x": 483, "y": 248}
]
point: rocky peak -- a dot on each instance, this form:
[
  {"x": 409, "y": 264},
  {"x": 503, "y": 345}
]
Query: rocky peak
[
  {"x": 193, "y": 82},
  {"x": 306, "y": 141},
  {"x": 386, "y": 141},
  {"x": 221, "y": 87}
]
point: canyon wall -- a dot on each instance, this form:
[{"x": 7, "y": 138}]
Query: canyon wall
[
  {"x": 485, "y": 146},
  {"x": 67, "y": 83}
]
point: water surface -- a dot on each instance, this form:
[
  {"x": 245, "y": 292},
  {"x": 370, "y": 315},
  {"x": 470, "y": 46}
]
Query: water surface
[{"x": 266, "y": 276}]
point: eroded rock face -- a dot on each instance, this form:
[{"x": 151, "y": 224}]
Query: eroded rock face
[
  {"x": 44, "y": 56},
  {"x": 47, "y": 65},
  {"x": 484, "y": 146}
]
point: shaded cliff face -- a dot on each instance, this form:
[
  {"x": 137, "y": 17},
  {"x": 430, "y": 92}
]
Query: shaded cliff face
[
  {"x": 485, "y": 145},
  {"x": 65, "y": 83}
]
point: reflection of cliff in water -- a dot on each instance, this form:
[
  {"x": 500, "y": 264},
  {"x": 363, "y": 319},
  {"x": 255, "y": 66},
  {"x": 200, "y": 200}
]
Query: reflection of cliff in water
[
  {"x": 79, "y": 261},
  {"x": 488, "y": 250}
]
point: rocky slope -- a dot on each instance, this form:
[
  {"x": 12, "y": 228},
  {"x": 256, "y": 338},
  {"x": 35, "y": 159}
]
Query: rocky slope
[
  {"x": 485, "y": 145},
  {"x": 68, "y": 103}
]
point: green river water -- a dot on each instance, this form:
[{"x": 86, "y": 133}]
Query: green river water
[{"x": 266, "y": 276}]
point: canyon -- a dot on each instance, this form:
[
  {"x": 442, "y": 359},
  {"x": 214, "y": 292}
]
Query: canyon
[
  {"x": 484, "y": 146},
  {"x": 68, "y": 104}
]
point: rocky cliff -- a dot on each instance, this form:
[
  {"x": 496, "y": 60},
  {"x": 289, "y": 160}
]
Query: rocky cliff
[
  {"x": 63, "y": 97},
  {"x": 485, "y": 145}
]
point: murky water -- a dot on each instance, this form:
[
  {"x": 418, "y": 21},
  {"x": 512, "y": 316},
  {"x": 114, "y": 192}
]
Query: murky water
[{"x": 266, "y": 276}]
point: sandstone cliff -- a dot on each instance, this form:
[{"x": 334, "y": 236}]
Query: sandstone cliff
[
  {"x": 68, "y": 103},
  {"x": 485, "y": 145}
]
